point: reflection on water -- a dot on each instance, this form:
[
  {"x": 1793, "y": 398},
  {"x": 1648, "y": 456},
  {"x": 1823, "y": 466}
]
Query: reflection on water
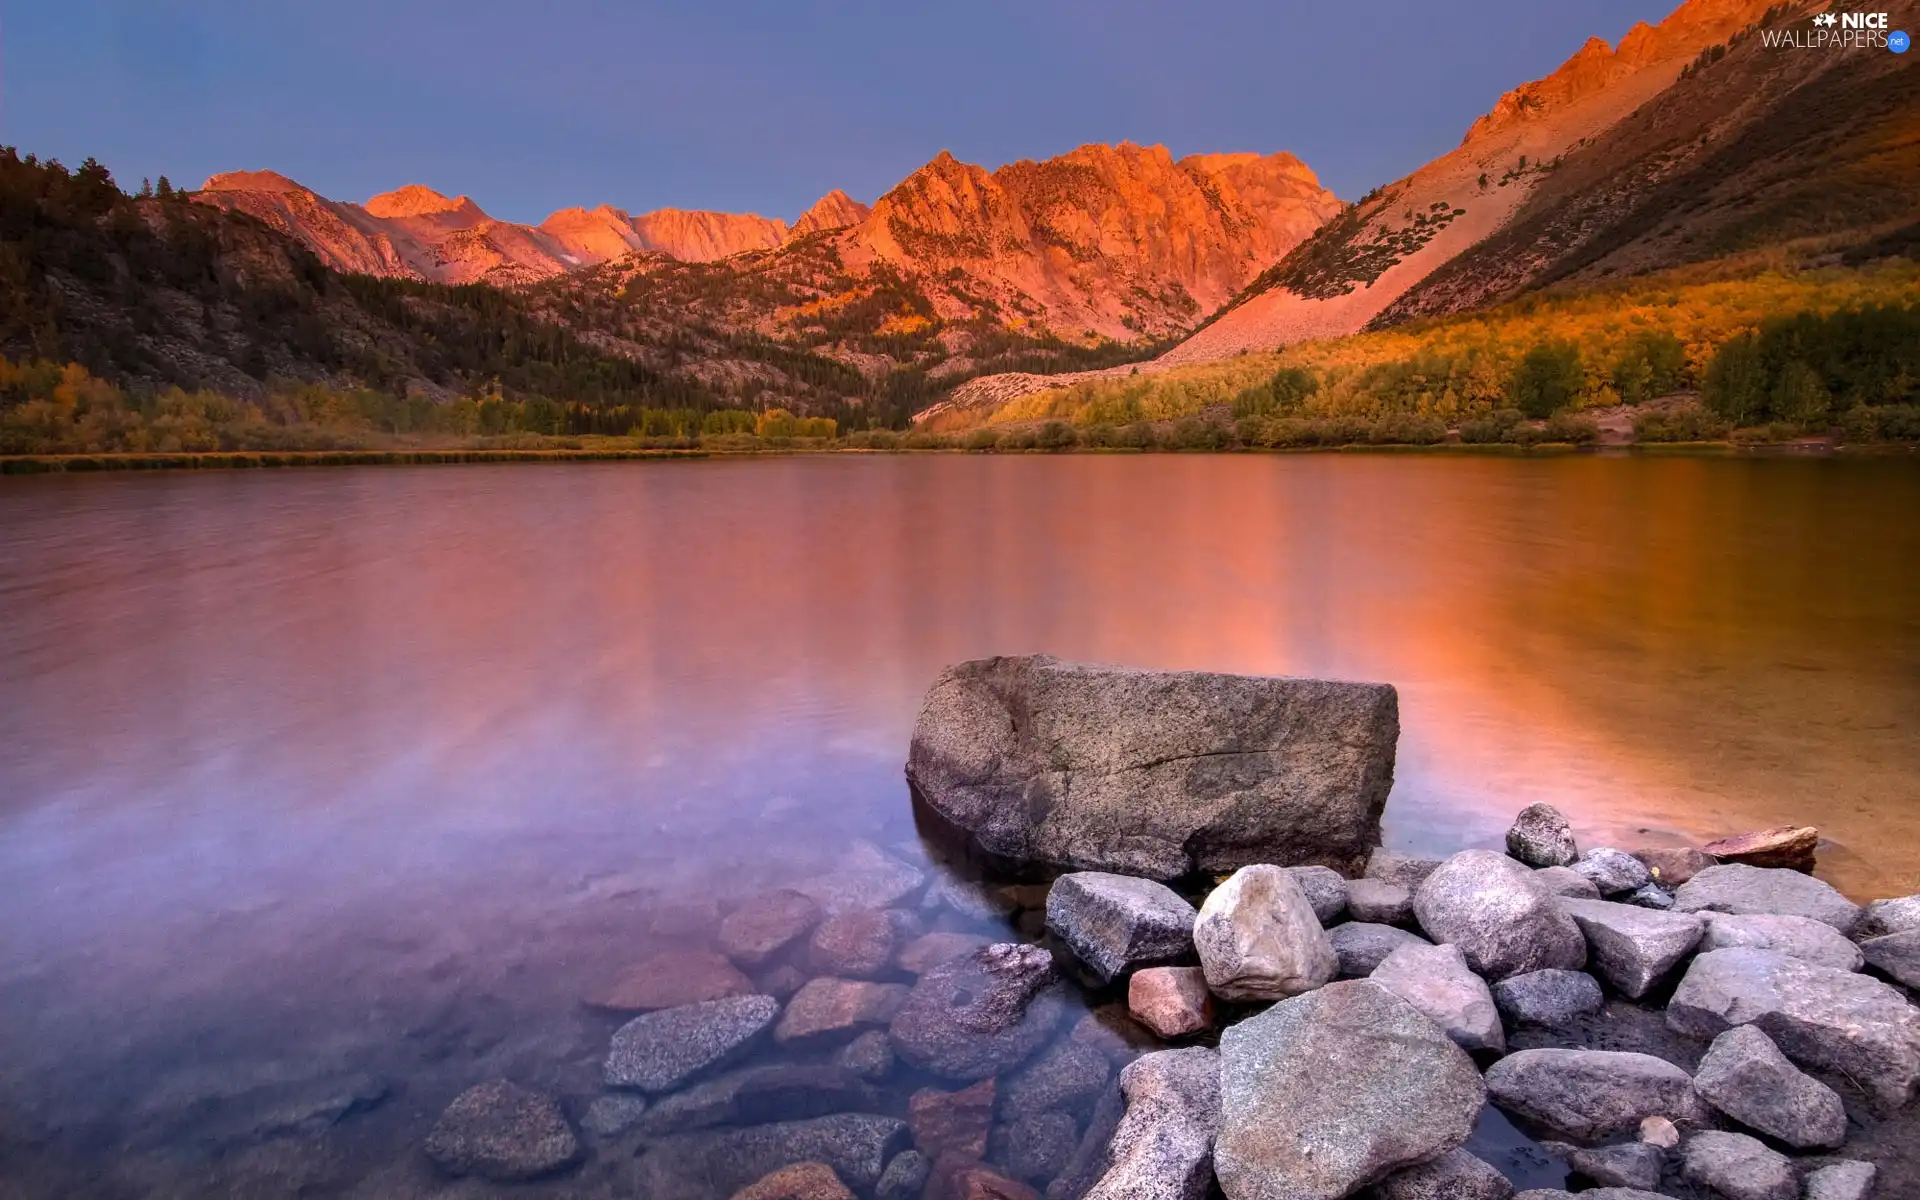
[{"x": 367, "y": 777}]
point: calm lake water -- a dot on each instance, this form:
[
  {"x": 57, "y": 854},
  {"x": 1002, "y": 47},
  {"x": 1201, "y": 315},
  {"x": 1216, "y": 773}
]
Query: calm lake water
[{"x": 352, "y": 783}]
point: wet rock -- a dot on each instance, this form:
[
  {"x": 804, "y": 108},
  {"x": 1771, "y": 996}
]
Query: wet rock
[
  {"x": 1068, "y": 1077},
  {"x": 1897, "y": 956},
  {"x": 1501, "y": 917},
  {"x": 1258, "y": 938},
  {"x": 1883, "y": 917},
  {"x": 1336, "y": 1089},
  {"x": 1799, "y": 937},
  {"x": 1742, "y": 890},
  {"x": 1112, "y": 1031},
  {"x": 1551, "y": 998},
  {"x": 1821, "y": 1018},
  {"x": 854, "y": 945},
  {"x": 1541, "y": 837},
  {"x": 1094, "y": 1154},
  {"x": 781, "y": 982},
  {"x": 612, "y": 1115},
  {"x": 929, "y": 950},
  {"x": 500, "y": 1130},
  {"x": 1745, "y": 1076},
  {"x": 802, "y": 1181},
  {"x": 1672, "y": 867},
  {"x": 1455, "y": 1175},
  {"x": 1360, "y": 946},
  {"x": 869, "y": 1056},
  {"x": 1634, "y": 948},
  {"x": 1152, "y": 773},
  {"x": 1591, "y": 1094},
  {"x": 1437, "y": 981},
  {"x": 1171, "y": 1001},
  {"x": 1116, "y": 923},
  {"x": 694, "y": 919},
  {"x": 670, "y": 980},
  {"x": 1841, "y": 1181},
  {"x": 1378, "y": 902},
  {"x": 765, "y": 925},
  {"x": 1164, "y": 1144},
  {"x": 1407, "y": 870},
  {"x": 755, "y": 1095},
  {"x": 829, "y": 1010},
  {"x": 970, "y": 899},
  {"x": 1660, "y": 1132},
  {"x": 1325, "y": 890},
  {"x": 1038, "y": 1148},
  {"x": 1595, "y": 1194},
  {"x": 905, "y": 1177},
  {"x": 1651, "y": 895},
  {"x": 662, "y": 1050},
  {"x": 1738, "y": 1167},
  {"x": 1565, "y": 881},
  {"x": 980, "y": 1015},
  {"x": 957, "y": 1178},
  {"x": 1612, "y": 871},
  {"x": 868, "y": 878},
  {"x": 952, "y": 1122},
  {"x": 1628, "y": 1165},
  {"x": 857, "y": 1146},
  {"x": 1789, "y": 847}
]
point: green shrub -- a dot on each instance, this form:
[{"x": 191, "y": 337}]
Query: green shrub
[
  {"x": 1058, "y": 435},
  {"x": 1407, "y": 429},
  {"x": 1680, "y": 423},
  {"x": 1800, "y": 397},
  {"x": 1577, "y": 428},
  {"x": 982, "y": 439},
  {"x": 1735, "y": 388},
  {"x": 1498, "y": 427},
  {"x": 1650, "y": 365},
  {"x": 1548, "y": 378},
  {"x": 1284, "y": 393},
  {"x": 1137, "y": 436},
  {"x": 1019, "y": 439},
  {"x": 1193, "y": 433}
]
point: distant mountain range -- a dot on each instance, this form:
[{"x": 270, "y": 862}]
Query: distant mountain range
[{"x": 1691, "y": 140}]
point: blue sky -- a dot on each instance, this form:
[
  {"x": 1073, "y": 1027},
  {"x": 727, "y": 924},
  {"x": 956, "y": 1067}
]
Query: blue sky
[{"x": 751, "y": 106}]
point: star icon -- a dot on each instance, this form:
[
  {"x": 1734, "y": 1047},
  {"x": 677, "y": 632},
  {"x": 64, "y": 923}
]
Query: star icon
[{"x": 1826, "y": 19}]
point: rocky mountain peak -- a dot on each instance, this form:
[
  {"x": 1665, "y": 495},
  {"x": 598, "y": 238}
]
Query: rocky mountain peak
[
  {"x": 415, "y": 200},
  {"x": 251, "y": 181}
]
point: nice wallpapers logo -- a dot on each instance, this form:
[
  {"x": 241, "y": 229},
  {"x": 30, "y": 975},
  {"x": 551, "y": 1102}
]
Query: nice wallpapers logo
[{"x": 1841, "y": 31}]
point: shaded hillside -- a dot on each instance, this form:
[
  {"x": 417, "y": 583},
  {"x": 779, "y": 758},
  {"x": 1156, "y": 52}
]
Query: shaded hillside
[{"x": 1755, "y": 146}]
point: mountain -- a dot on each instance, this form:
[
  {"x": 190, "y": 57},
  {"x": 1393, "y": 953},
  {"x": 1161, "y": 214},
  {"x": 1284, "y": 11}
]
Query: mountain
[
  {"x": 1693, "y": 140},
  {"x": 835, "y": 210},
  {"x": 417, "y": 233}
]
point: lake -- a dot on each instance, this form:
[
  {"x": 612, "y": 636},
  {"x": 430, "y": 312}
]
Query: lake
[{"x": 326, "y": 794}]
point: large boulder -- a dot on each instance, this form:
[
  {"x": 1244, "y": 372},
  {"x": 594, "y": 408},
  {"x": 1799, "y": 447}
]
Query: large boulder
[
  {"x": 980, "y": 1015},
  {"x": 1789, "y": 847},
  {"x": 1045, "y": 764},
  {"x": 1379, "y": 903},
  {"x": 1589, "y": 1095},
  {"x": 500, "y": 1130},
  {"x": 1542, "y": 837},
  {"x": 955, "y": 1122},
  {"x": 1828, "y": 1020},
  {"x": 1407, "y": 870},
  {"x": 857, "y": 1146},
  {"x": 662, "y": 1050},
  {"x": 1745, "y": 1076},
  {"x": 1549, "y": 998},
  {"x": 1634, "y": 948},
  {"x": 1437, "y": 981},
  {"x": 1172, "y": 1001},
  {"x": 1841, "y": 1180},
  {"x": 1328, "y": 1092},
  {"x": 1739, "y": 889},
  {"x": 1455, "y": 1175},
  {"x": 1325, "y": 889},
  {"x": 1897, "y": 956},
  {"x": 1669, "y": 866},
  {"x": 1614, "y": 872},
  {"x": 1069, "y": 1078},
  {"x": 1118, "y": 923},
  {"x": 1500, "y": 916},
  {"x": 1163, "y": 1147},
  {"x": 1802, "y": 937},
  {"x": 767, "y": 924},
  {"x": 1565, "y": 881},
  {"x": 1739, "y": 1167},
  {"x": 1259, "y": 939},
  {"x": 1882, "y": 917},
  {"x": 827, "y": 1010},
  {"x": 1361, "y": 946}
]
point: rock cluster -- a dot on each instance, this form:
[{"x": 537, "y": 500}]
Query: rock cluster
[{"x": 1363, "y": 1024}]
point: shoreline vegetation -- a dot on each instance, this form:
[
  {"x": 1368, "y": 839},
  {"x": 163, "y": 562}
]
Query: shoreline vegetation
[{"x": 56, "y": 464}]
